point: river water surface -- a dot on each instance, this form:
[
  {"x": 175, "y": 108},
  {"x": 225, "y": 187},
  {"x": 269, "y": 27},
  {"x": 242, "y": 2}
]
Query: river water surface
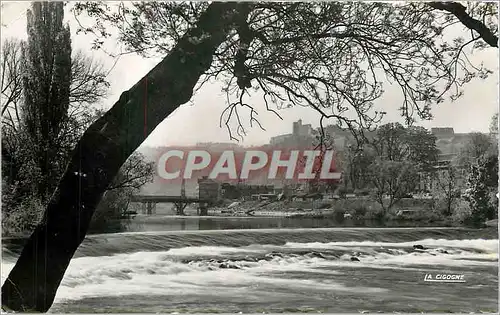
[{"x": 277, "y": 270}]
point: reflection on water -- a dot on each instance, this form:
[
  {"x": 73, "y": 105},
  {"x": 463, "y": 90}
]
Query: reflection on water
[{"x": 175, "y": 223}]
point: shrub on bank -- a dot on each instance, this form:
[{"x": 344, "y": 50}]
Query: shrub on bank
[
  {"x": 411, "y": 203},
  {"x": 108, "y": 215},
  {"x": 360, "y": 212},
  {"x": 360, "y": 208},
  {"x": 462, "y": 213},
  {"x": 22, "y": 218},
  {"x": 367, "y": 209},
  {"x": 362, "y": 192},
  {"x": 325, "y": 205},
  {"x": 342, "y": 191}
]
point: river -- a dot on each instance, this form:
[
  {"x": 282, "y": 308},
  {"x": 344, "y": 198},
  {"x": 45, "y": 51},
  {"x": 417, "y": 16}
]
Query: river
[{"x": 180, "y": 265}]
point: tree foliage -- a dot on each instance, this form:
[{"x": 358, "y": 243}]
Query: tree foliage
[
  {"x": 480, "y": 157},
  {"x": 479, "y": 18},
  {"x": 448, "y": 188},
  {"x": 392, "y": 180},
  {"x": 46, "y": 82},
  {"x": 478, "y": 195},
  {"x": 47, "y": 103},
  {"x": 331, "y": 56},
  {"x": 494, "y": 125},
  {"x": 358, "y": 164},
  {"x": 46, "y": 98},
  {"x": 324, "y": 142},
  {"x": 389, "y": 161},
  {"x": 395, "y": 142},
  {"x": 477, "y": 147}
]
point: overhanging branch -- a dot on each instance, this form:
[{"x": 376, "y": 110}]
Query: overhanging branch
[{"x": 459, "y": 11}]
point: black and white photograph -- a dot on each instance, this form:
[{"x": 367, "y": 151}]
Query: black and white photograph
[{"x": 249, "y": 157}]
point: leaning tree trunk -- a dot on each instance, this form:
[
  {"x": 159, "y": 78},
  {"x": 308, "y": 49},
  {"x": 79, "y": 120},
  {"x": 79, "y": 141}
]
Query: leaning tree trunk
[{"x": 33, "y": 282}]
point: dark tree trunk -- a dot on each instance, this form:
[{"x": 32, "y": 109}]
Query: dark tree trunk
[{"x": 33, "y": 282}]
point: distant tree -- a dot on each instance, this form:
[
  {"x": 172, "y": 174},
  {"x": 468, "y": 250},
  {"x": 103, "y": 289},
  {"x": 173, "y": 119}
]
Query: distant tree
[
  {"x": 477, "y": 147},
  {"x": 491, "y": 167},
  {"x": 392, "y": 181},
  {"x": 422, "y": 147},
  {"x": 323, "y": 142},
  {"x": 494, "y": 126},
  {"x": 360, "y": 166},
  {"x": 480, "y": 157},
  {"x": 448, "y": 188},
  {"x": 395, "y": 142},
  {"x": 398, "y": 154},
  {"x": 478, "y": 195}
]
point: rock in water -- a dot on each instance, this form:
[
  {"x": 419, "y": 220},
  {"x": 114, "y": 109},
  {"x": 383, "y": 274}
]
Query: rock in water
[
  {"x": 223, "y": 266},
  {"x": 418, "y": 247},
  {"x": 227, "y": 265},
  {"x": 354, "y": 258},
  {"x": 317, "y": 255}
]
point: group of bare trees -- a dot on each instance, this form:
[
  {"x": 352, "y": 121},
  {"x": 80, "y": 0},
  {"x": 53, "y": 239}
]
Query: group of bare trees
[
  {"x": 49, "y": 95},
  {"x": 387, "y": 164},
  {"x": 331, "y": 56},
  {"x": 395, "y": 160},
  {"x": 46, "y": 94}
]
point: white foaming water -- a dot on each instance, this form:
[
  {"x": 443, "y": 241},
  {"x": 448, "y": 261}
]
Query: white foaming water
[
  {"x": 213, "y": 250},
  {"x": 490, "y": 246},
  {"x": 151, "y": 273},
  {"x": 159, "y": 273}
]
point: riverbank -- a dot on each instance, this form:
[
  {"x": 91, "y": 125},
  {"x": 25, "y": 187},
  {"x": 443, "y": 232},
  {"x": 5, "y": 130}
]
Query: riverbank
[
  {"x": 418, "y": 210},
  {"x": 352, "y": 212}
]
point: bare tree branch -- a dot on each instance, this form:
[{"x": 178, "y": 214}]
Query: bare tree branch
[
  {"x": 460, "y": 12},
  {"x": 11, "y": 74}
]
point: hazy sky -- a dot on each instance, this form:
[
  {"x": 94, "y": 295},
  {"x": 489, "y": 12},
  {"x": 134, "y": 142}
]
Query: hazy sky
[{"x": 199, "y": 120}]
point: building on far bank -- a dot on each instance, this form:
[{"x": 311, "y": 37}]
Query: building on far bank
[
  {"x": 279, "y": 139},
  {"x": 431, "y": 181},
  {"x": 449, "y": 142},
  {"x": 302, "y": 135},
  {"x": 302, "y": 130},
  {"x": 449, "y": 145},
  {"x": 210, "y": 190}
]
